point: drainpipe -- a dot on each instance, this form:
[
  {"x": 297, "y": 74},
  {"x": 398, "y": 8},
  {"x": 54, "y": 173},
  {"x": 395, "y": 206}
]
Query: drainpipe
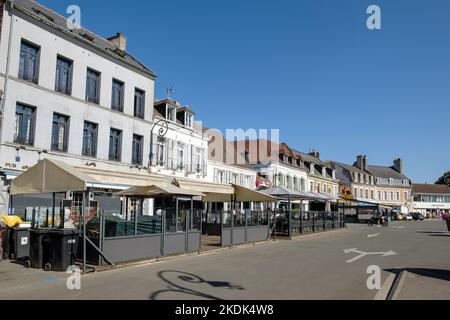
[
  {"x": 5, "y": 86},
  {"x": 8, "y": 59}
]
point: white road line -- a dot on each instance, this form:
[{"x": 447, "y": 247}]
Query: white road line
[
  {"x": 362, "y": 254},
  {"x": 373, "y": 235}
]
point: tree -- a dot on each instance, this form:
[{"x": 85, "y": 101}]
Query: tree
[{"x": 445, "y": 179}]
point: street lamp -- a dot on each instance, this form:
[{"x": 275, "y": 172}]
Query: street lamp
[{"x": 161, "y": 133}]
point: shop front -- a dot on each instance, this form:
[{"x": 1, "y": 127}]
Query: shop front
[{"x": 159, "y": 217}]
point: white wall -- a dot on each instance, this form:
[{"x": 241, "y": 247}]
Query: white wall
[
  {"x": 186, "y": 136},
  {"x": 213, "y": 165},
  {"x": 47, "y": 101}
]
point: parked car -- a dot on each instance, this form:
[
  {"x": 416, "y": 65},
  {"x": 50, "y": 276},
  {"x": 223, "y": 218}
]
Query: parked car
[
  {"x": 417, "y": 216},
  {"x": 408, "y": 217}
]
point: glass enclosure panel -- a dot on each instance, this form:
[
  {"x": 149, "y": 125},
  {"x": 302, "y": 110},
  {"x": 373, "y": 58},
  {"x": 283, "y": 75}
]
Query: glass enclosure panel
[
  {"x": 253, "y": 218},
  {"x": 226, "y": 219},
  {"x": 196, "y": 216},
  {"x": 239, "y": 218}
]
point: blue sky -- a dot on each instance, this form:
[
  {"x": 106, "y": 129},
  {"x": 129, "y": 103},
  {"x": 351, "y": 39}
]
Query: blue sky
[{"x": 308, "y": 67}]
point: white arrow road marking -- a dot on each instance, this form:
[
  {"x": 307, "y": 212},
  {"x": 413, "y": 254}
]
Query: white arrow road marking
[
  {"x": 362, "y": 254},
  {"x": 373, "y": 235}
]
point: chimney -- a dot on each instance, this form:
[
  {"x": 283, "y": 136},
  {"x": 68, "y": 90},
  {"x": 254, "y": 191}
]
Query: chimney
[
  {"x": 314, "y": 153},
  {"x": 398, "y": 165},
  {"x": 365, "y": 164},
  {"x": 359, "y": 162},
  {"x": 120, "y": 41}
]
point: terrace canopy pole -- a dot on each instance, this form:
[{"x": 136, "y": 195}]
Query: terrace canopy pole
[
  {"x": 289, "y": 216},
  {"x": 53, "y": 208},
  {"x": 232, "y": 219},
  {"x": 83, "y": 208}
]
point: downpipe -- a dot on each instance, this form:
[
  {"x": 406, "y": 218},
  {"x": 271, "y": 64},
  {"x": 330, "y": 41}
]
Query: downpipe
[{"x": 8, "y": 60}]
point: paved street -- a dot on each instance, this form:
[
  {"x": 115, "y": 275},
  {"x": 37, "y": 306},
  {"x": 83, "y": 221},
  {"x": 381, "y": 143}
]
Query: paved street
[{"x": 316, "y": 267}]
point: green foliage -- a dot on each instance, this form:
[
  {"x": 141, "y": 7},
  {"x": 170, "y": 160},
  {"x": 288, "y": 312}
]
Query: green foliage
[{"x": 442, "y": 180}]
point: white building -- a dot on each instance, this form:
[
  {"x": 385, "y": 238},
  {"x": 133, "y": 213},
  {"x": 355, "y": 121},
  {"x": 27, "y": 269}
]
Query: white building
[
  {"x": 226, "y": 164},
  {"x": 69, "y": 95},
  {"x": 431, "y": 200},
  {"x": 73, "y": 96},
  {"x": 179, "y": 144}
]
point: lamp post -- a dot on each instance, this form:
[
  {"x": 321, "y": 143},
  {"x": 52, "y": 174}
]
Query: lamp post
[{"x": 161, "y": 133}]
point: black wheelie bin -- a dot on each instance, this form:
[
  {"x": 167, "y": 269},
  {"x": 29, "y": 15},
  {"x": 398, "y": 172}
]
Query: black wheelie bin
[
  {"x": 39, "y": 248},
  {"x": 63, "y": 247}
]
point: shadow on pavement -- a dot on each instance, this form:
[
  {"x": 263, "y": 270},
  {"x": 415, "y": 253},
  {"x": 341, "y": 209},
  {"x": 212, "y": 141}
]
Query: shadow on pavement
[
  {"x": 440, "y": 274},
  {"x": 182, "y": 279},
  {"x": 436, "y": 233}
]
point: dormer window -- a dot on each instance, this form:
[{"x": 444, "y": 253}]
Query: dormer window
[
  {"x": 324, "y": 172},
  {"x": 170, "y": 113},
  {"x": 189, "y": 120},
  {"x": 311, "y": 168}
]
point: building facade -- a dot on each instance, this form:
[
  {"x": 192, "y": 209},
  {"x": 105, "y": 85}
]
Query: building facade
[
  {"x": 381, "y": 185},
  {"x": 431, "y": 200},
  {"x": 181, "y": 148},
  {"x": 70, "y": 95}
]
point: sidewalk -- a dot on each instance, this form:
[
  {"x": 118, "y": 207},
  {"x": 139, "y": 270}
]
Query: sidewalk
[{"x": 424, "y": 284}]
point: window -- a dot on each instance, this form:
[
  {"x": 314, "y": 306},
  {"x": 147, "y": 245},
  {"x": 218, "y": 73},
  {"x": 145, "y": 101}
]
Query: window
[
  {"x": 90, "y": 139},
  {"x": 93, "y": 86},
  {"x": 115, "y": 145},
  {"x": 385, "y": 196},
  {"x": 355, "y": 192},
  {"x": 138, "y": 144},
  {"x": 197, "y": 160},
  {"x": 379, "y": 195},
  {"x": 189, "y": 120},
  {"x": 289, "y": 182},
  {"x": 139, "y": 103},
  {"x": 160, "y": 152},
  {"x": 24, "y": 126},
  {"x": 180, "y": 156},
  {"x": 372, "y": 194},
  {"x": 63, "y": 75},
  {"x": 171, "y": 113},
  {"x": 29, "y": 62},
  {"x": 117, "y": 95},
  {"x": 219, "y": 176},
  {"x": 60, "y": 132},
  {"x": 303, "y": 184},
  {"x": 247, "y": 181},
  {"x": 295, "y": 183}
]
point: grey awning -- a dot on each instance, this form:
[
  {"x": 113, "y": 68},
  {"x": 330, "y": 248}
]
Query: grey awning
[
  {"x": 158, "y": 189},
  {"x": 49, "y": 176},
  {"x": 284, "y": 193}
]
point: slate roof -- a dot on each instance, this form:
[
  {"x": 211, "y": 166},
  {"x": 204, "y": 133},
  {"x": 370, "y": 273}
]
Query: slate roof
[
  {"x": 58, "y": 22},
  {"x": 386, "y": 173}
]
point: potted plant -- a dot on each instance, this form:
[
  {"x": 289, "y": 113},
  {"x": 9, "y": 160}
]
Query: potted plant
[{"x": 446, "y": 217}]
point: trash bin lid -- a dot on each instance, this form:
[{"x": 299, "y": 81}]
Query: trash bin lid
[{"x": 11, "y": 221}]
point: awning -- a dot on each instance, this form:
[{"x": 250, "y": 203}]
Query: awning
[
  {"x": 243, "y": 194},
  {"x": 49, "y": 176},
  {"x": 285, "y": 193},
  {"x": 158, "y": 190}
]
